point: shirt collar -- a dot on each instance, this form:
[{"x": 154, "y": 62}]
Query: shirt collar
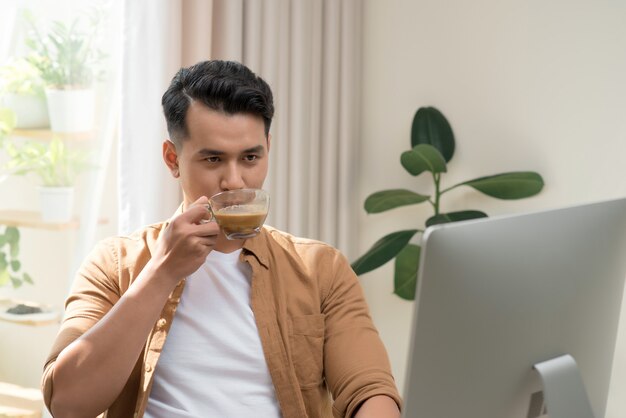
[{"x": 259, "y": 247}]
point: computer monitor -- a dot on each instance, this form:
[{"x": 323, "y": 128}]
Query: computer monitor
[{"x": 499, "y": 295}]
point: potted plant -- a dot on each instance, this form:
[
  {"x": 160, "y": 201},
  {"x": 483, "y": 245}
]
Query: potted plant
[
  {"x": 68, "y": 60},
  {"x": 57, "y": 168},
  {"x": 433, "y": 147},
  {"x": 22, "y": 90}
]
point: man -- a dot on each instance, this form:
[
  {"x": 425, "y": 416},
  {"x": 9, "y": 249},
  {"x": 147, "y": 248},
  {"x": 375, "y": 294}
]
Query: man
[{"x": 177, "y": 321}]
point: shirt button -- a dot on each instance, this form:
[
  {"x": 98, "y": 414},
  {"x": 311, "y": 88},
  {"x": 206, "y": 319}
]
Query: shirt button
[
  {"x": 148, "y": 368},
  {"x": 161, "y": 323}
]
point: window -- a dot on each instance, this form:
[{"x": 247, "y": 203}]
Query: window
[{"x": 58, "y": 117}]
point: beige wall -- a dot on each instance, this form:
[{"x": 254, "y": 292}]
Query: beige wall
[{"x": 527, "y": 85}]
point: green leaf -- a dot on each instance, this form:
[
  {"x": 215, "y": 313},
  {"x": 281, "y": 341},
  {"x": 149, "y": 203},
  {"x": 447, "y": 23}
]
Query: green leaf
[
  {"x": 423, "y": 158},
  {"x": 12, "y": 235},
  {"x": 15, "y": 265},
  {"x": 390, "y": 199},
  {"x": 14, "y": 250},
  {"x": 4, "y": 276},
  {"x": 407, "y": 265},
  {"x": 3, "y": 261},
  {"x": 27, "y": 279},
  {"x": 16, "y": 282},
  {"x": 3, "y": 240},
  {"x": 515, "y": 185},
  {"x": 464, "y": 215},
  {"x": 431, "y": 127},
  {"x": 382, "y": 251}
]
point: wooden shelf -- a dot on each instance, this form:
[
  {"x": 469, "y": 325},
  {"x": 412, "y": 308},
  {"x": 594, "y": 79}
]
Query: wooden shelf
[
  {"x": 47, "y": 134},
  {"x": 20, "y": 402},
  {"x": 31, "y": 219},
  {"x": 10, "y": 412}
]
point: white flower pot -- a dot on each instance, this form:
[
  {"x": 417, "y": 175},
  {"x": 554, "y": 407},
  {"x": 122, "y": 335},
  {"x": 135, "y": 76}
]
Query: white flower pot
[
  {"x": 57, "y": 203},
  {"x": 31, "y": 111},
  {"x": 71, "y": 110}
]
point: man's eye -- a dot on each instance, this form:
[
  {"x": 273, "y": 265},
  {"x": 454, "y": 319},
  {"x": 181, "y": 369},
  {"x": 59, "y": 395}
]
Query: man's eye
[
  {"x": 213, "y": 159},
  {"x": 251, "y": 157}
]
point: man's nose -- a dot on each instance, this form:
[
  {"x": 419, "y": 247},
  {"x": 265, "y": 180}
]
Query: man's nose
[{"x": 232, "y": 178}]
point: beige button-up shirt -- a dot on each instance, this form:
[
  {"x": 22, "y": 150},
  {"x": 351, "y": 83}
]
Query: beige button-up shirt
[{"x": 324, "y": 355}]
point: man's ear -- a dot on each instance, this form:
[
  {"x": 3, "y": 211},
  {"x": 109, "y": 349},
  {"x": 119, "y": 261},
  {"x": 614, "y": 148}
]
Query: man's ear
[{"x": 170, "y": 156}]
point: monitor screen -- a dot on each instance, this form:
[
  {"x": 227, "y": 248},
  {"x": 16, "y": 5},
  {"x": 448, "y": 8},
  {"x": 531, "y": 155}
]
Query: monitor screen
[{"x": 496, "y": 296}]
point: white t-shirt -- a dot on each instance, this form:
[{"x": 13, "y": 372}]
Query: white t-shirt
[{"x": 212, "y": 364}]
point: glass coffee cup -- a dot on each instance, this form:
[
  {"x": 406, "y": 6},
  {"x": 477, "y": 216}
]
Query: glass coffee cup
[{"x": 240, "y": 213}]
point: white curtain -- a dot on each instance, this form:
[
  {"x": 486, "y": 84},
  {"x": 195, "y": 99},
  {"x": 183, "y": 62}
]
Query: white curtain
[{"x": 310, "y": 54}]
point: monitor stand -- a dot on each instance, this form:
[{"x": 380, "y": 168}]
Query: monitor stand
[{"x": 564, "y": 391}]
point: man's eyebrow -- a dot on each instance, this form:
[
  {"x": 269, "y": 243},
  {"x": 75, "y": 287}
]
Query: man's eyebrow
[
  {"x": 253, "y": 150},
  {"x": 205, "y": 151}
]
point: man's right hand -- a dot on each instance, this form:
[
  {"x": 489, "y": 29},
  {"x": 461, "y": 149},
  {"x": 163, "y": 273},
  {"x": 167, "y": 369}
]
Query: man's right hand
[
  {"x": 186, "y": 242},
  {"x": 91, "y": 372}
]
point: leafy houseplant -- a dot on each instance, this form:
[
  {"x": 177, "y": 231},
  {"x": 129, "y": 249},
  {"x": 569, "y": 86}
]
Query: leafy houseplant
[
  {"x": 22, "y": 77},
  {"x": 433, "y": 145},
  {"x": 54, "y": 163},
  {"x": 10, "y": 266},
  {"x": 68, "y": 61},
  {"x": 22, "y": 90},
  {"x": 66, "y": 55},
  {"x": 57, "y": 168}
]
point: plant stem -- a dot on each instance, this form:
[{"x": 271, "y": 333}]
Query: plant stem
[
  {"x": 449, "y": 188},
  {"x": 437, "y": 178}
]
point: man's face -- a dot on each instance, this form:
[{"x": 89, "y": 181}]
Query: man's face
[{"x": 222, "y": 152}]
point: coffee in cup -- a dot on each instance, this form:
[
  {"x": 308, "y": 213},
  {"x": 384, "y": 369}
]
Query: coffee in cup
[{"x": 240, "y": 213}]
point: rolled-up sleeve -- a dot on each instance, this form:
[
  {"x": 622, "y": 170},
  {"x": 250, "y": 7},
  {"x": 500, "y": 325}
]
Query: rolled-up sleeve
[
  {"x": 356, "y": 364},
  {"x": 94, "y": 292}
]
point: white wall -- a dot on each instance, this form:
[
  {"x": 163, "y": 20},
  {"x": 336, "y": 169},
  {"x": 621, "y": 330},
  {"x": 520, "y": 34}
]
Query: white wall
[{"x": 526, "y": 85}]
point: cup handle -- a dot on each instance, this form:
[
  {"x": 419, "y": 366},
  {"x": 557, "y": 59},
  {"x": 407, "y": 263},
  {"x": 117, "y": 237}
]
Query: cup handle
[{"x": 210, "y": 210}]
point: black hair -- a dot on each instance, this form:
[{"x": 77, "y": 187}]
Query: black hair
[{"x": 227, "y": 86}]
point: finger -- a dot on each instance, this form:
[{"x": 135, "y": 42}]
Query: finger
[
  {"x": 205, "y": 243},
  {"x": 197, "y": 211},
  {"x": 208, "y": 242},
  {"x": 208, "y": 229},
  {"x": 208, "y": 217},
  {"x": 202, "y": 200}
]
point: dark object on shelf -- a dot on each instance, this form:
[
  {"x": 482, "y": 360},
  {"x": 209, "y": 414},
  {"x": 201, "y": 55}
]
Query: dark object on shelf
[{"x": 22, "y": 309}]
